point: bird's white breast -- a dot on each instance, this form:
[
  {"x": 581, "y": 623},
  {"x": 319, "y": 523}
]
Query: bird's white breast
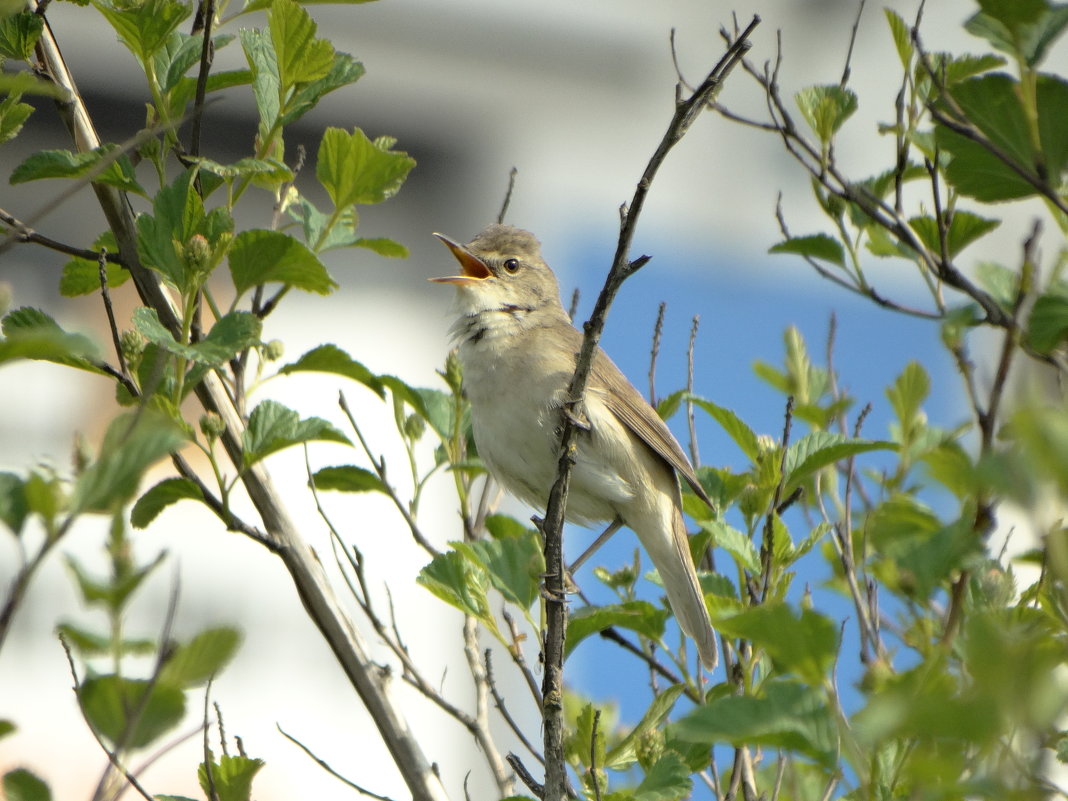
[{"x": 516, "y": 384}]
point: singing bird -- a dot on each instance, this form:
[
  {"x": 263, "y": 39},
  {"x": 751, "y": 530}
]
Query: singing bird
[{"x": 518, "y": 349}]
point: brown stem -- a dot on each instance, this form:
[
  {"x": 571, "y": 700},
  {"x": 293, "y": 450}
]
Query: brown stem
[{"x": 552, "y": 527}]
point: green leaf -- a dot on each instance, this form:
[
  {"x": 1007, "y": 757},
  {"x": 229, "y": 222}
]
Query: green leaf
[
  {"x": 918, "y": 554},
  {"x": 998, "y": 280},
  {"x": 818, "y": 449},
  {"x": 954, "y": 69},
  {"x": 25, "y": 83},
  {"x": 180, "y": 52},
  {"x": 786, "y": 715},
  {"x": 330, "y": 358},
  {"x": 625, "y": 752},
  {"x": 950, "y": 465},
  {"x": 14, "y": 506},
  {"x": 804, "y": 644},
  {"x": 733, "y": 542},
  {"x": 907, "y": 394},
  {"x": 82, "y": 276},
  {"x": 503, "y": 526},
  {"x": 815, "y": 246},
  {"x": 353, "y": 169},
  {"x": 22, "y": 785},
  {"x": 229, "y": 336},
  {"x": 667, "y": 780},
  {"x": 90, "y": 644},
  {"x": 347, "y": 478},
  {"x": 826, "y": 108},
  {"x": 197, "y": 661},
  {"x": 925, "y": 703},
  {"x": 130, "y": 713},
  {"x": 964, "y": 228},
  {"x": 231, "y": 777},
  {"x": 31, "y": 334},
  {"x": 992, "y": 104},
  {"x": 639, "y": 616},
  {"x": 266, "y": 86},
  {"x": 13, "y": 115},
  {"x": 272, "y": 427},
  {"x": 437, "y": 408},
  {"x": 155, "y": 500},
  {"x": 184, "y": 93},
  {"x": 6, "y": 728},
  {"x": 902, "y": 33},
  {"x": 1025, "y": 29},
  {"x": 18, "y": 35},
  {"x": 344, "y": 71},
  {"x": 1047, "y": 325},
  {"x": 260, "y": 256},
  {"x": 514, "y": 565},
  {"x": 145, "y": 27},
  {"x": 383, "y": 247},
  {"x": 301, "y": 57},
  {"x": 133, "y": 443},
  {"x": 177, "y": 214},
  {"x": 273, "y": 169},
  {"x": 459, "y": 582},
  {"x": 741, "y": 433},
  {"x": 106, "y": 164}
]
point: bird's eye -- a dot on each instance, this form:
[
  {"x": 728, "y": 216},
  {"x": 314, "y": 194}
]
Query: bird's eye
[{"x": 511, "y": 265}]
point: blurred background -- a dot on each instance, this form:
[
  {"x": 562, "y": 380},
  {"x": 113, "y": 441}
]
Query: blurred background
[{"x": 574, "y": 95}]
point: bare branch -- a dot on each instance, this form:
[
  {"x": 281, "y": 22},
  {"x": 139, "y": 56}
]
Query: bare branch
[{"x": 622, "y": 267}]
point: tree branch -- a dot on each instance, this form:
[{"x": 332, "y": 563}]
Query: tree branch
[
  {"x": 307, "y": 573},
  {"x": 622, "y": 267}
]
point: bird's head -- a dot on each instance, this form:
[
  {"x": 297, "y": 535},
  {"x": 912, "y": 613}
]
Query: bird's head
[{"x": 502, "y": 270}]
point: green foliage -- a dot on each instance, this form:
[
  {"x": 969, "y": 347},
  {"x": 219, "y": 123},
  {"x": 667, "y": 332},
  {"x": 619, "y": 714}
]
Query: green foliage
[
  {"x": 956, "y": 674},
  {"x": 273, "y": 427},
  {"x": 332, "y": 359},
  {"x": 155, "y": 500},
  {"x": 21, "y": 784},
  {"x": 261, "y": 257}
]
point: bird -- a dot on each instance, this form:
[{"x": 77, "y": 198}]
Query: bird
[{"x": 517, "y": 350}]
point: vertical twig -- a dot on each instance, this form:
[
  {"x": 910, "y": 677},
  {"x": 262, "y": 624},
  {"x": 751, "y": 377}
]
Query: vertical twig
[
  {"x": 105, "y": 293},
  {"x": 654, "y": 352},
  {"x": 552, "y": 526},
  {"x": 206, "y": 18},
  {"x": 691, "y": 423},
  {"x": 512, "y": 173}
]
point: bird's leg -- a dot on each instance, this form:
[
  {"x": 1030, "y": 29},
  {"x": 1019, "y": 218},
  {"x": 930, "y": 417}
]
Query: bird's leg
[{"x": 613, "y": 527}]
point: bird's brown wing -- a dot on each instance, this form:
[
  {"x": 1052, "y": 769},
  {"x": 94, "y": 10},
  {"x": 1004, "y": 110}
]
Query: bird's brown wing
[{"x": 636, "y": 414}]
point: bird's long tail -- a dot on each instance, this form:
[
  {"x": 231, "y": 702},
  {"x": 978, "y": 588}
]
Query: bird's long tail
[{"x": 670, "y": 553}]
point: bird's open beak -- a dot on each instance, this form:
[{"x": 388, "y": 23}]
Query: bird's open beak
[{"x": 474, "y": 269}]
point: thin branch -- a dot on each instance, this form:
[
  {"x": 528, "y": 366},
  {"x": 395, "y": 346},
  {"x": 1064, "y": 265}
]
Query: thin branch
[
  {"x": 498, "y": 701},
  {"x": 519, "y": 660},
  {"x": 691, "y": 422},
  {"x": 593, "y": 755},
  {"x": 524, "y": 776},
  {"x": 767, "y": 549},
  {"x": 21, "y": 232},
  {"x": 379, "y": 466},
  {"x": 305, "y": 570},
  {"x": 512, "y": 173},
  {"x": 622, "y": 267},
  {"x": 654, "y": 351},
  {"x": 852, "y": 42},
  {"x": 481, "y": 720},
  {"x": 326, "y": 766},
  {"x": 205, "y": 17},
  {"x": 105, "y": 294}
]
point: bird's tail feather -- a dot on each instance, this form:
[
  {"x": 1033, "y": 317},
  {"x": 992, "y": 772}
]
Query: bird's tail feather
[{"x": 671, "y": 556}]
